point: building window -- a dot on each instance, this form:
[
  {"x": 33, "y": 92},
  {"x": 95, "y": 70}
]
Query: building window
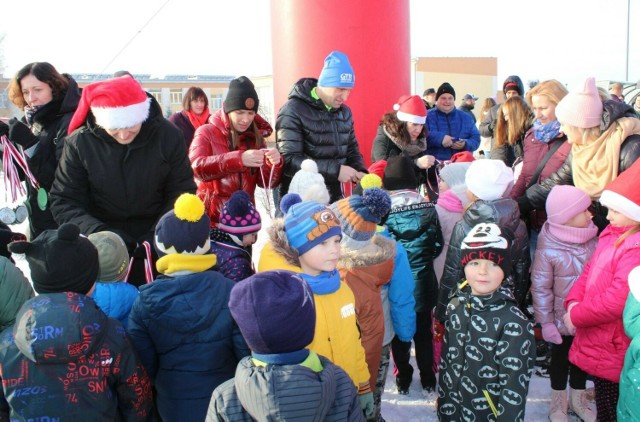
[
  {"x": 157, "y": 94},
  {"x": 216, "y": 102},
  {"x": 176, "y": 96}
]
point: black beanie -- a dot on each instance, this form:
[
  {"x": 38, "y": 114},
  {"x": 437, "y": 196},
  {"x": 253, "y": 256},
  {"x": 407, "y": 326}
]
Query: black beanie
[
  {"x": 445, "y": 88},
  {"x": 242, "y": 95},
  {"x": 399, "y": 173},
  {"x": 60, "y": 260}
]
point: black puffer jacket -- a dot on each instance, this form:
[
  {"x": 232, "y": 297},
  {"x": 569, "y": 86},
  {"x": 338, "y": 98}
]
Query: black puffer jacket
[
  {"x": 536, "y": 196},
  {"x": 305, "y": 128},
  {"x": 50, "y": 125},
  {"x": 503, "y": 212},
  {"x": 103, "y": 185}
]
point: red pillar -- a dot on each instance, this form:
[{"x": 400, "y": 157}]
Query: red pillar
[{"x": 373, "y": 33}]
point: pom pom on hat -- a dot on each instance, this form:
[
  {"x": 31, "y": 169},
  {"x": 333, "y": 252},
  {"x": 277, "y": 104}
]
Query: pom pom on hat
[
  {"x": 360, "y": 214},
  {"x": 582, "y": 109},
  {"x": 565, "y": 202},
  {"x": 60, "y": 260},
  {"x": 275, "y": 311},
  {"x": 489, "y": 179},
  {"x": 185, "y": 229},
  {"x": 309, "y": 184},
  {"x": 113, "y": 257},
  {"x": 307, "y": 223},
  {"x": 371, "y": 181},
  {"x": 622, "y": 194},
  {"x": 239, "y": 216},
  {"x": 488, "y": 241},
  {"x": 411, "y": 108},
  {"x": 242, "y": 95},
  {"x": 117, "y": 103},
  {"x": 445, "y": 88},
  {"x": 337, "y": 72},
  {"x": 400, "y": 174}
]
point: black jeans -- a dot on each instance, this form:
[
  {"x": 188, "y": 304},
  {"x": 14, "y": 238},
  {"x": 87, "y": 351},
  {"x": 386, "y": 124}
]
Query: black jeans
[
  {"x": 560, "y": 368},
  {"x": 401, "y": 352}
]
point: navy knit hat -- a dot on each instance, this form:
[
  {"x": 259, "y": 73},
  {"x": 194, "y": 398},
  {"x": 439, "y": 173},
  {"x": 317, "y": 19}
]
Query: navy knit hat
[
  {"x": 242, "y": 95},
  {"x": 359, "y": 215},
  {"x": 239, "y": 216},
  {"x": 308, "y": 223},
  {"x": 275, "y": 312},
  {"x": 60, "y": 260},
  {"x": 488, "y": 241},
  {"x": 185, "y": 229},
  {"x": 337, "y": 72},
  {"x": 445, "y": 88}
]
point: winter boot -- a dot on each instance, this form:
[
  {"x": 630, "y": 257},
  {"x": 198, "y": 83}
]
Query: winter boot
[
  {"x": 558, "y": 408},
  {"x": 580, "y": 406}
]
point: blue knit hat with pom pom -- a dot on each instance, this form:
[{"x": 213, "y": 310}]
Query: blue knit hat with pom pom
[
  {"x": 239, "y": 216},
  {"x": 307, "y": 223},
  {"x": 185, "y": 229},
  {"x": 360, "y": 214}
]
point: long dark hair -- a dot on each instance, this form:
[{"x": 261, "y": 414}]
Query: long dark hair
[
  {"x": 397, "y": 128},
  {"x": 44, "y": 72}
]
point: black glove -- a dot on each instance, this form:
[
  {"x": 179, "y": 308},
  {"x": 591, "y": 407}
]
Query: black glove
[
  {"x": 129, "y": 241},
  {"x": 21, "y": 134},
  {"x": 525, "y": 206},
  {"x": 4, "y": 128},
  {"x": 139, "y": 252}
]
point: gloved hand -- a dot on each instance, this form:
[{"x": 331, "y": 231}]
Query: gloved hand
[
  {"x": 129, "y": 241},
  {"x": 366, "y": 404},
  {"x": 550, "y": 333},
  {"x": 4, "y": 128},
  {"x": 525, "y": 205},
  {"x": 21, "y": 134}
]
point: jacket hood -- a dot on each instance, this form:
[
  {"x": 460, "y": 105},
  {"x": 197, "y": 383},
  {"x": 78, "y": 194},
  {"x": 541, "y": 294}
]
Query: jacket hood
[
  {"x": 614, "y": 110},
  {"x": 503, "y": 212},
  {"x": 280, "y": 244},
  {"x": 380, "y": 250},
  {"x": 631, "y": 317},
  {"x": 302, "y": 91},
  {"x": 221, "y": 121},
  {"x": 272, "y": 384},
  {"x": 515, "y": 79},
  {"x": 56, "y": 328},
  {"x": 186, "y": 298},
  {"x": 15, "y": 290}
]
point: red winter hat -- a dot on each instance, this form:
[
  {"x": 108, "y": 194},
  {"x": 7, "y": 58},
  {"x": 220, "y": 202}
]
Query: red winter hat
[
  {"x": 623, "y": 195},
  {"x": 378, "y": 168},
  {"x": 116, "y": 103},
  {"x": 411, "y": 109},
  {"x": 462, "y": 157}
]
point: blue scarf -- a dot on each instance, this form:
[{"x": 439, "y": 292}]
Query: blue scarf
[
  {"x": 324, "y": 283},
  {"x": 546, "y": 133}
]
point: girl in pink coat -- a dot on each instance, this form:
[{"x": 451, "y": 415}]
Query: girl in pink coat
[{"x": 596, "y": 300}]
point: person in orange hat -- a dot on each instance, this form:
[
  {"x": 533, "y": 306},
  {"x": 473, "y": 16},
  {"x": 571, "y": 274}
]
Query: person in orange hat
[{"x": 123, "y": 166}]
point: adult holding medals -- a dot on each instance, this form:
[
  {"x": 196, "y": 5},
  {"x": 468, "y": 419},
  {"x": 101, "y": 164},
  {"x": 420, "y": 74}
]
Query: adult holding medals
[{"x": 49, "y": 100}]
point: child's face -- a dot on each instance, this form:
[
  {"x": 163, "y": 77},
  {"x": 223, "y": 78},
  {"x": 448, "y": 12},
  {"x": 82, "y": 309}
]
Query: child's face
[
  {"x": 442, "y": 185},
  {"x": 484, "y": 276},
  {"x": 580, "y": 220},
  {"x": 249, "y": 239},
  {"x": 618, "y": 220},
  {"x": 321, "y": 258}
]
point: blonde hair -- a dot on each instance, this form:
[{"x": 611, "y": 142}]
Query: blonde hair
[
  {"x": 552, "y": 89},
  {"x": 630, "y": 232},
  {"x": 588, "y": 135}
]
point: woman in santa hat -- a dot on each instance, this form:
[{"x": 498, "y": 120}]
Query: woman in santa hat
[
  {"x": 48, "y": 99},
  {"x": 403, "y": 132},
  {"x": 230, "y": 152},
  {"x": 123, "y": 165}
]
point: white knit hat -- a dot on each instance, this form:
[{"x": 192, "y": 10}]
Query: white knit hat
[
  {"x": 489, "y": 179},
  {"x": 581, "y": 109},
  {"x": 309, "y": 184}
]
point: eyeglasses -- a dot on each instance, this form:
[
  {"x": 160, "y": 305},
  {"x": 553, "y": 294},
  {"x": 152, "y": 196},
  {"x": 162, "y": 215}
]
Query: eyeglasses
[{"x": 15, "y": 215}]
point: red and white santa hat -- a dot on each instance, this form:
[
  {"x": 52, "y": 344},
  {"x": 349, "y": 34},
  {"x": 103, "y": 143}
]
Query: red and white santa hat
[
  {"x": 622, "y": 194},
  {"x": 116, "y": 103},
  {"x": 411, "y": 108}
]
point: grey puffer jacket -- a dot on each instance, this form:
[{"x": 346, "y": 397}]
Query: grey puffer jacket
[
  {"x": 556, "y": 266},
  {"x": 505, "y": 213},
  {"x": 286, "y": 393}
]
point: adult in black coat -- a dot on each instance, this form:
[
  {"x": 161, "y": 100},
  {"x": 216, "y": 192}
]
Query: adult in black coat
[
  {"x": 123, "y": 165},
  {"x": 48, "y": 99}
]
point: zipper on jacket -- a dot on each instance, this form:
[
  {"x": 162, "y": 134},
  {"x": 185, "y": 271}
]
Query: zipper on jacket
[{"x": 491, "y": 405}]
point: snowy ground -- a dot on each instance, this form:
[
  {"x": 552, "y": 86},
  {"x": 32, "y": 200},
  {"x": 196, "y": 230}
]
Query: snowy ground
[{"x": 414, "y": 407}]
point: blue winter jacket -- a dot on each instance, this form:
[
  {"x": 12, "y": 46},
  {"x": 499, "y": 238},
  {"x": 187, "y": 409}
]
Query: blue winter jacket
[
  {"x": 115, "y": 299},
  {"x": 187, "y": 340},
  {"x": 456, "y": 124}
]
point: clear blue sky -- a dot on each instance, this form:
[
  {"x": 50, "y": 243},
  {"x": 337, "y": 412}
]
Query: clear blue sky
[{"x": 536, "y": 39}]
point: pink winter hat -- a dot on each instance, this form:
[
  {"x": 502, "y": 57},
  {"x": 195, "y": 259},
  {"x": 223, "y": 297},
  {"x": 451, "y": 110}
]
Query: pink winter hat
[
  {"x": 565, "y": 202},
  {"x": 581, "y": 109}
]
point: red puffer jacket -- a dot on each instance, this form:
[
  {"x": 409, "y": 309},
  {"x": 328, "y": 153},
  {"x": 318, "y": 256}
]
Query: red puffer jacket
[{"x": 219, "y": 170}]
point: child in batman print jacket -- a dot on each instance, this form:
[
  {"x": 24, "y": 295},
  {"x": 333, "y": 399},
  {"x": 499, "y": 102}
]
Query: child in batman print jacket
[{"x": 489, "y": 349}]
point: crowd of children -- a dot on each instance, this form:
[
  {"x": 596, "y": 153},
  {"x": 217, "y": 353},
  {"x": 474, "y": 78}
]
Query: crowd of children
[{"x": 342, "y": 290}]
